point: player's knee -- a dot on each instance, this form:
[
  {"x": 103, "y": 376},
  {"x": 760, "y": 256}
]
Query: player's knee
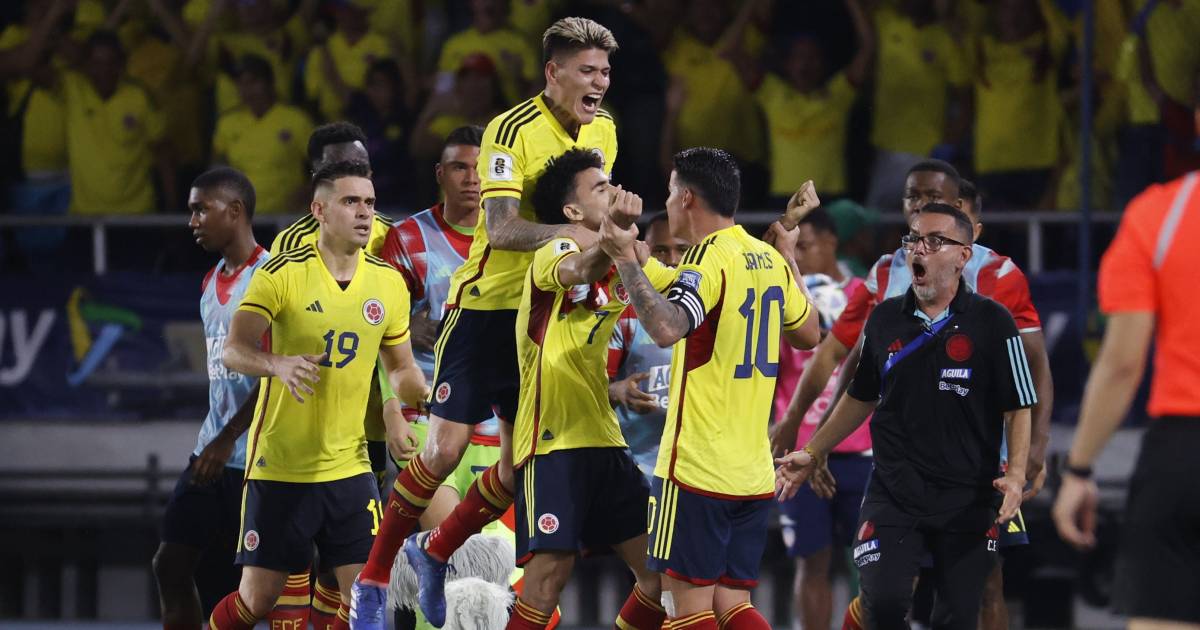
[
  {"x": 170, "y": 565},
  {"x": 649, "y": 583},
  {"x": 442, "y": 453},
  {"x": 507, "y": 479}
]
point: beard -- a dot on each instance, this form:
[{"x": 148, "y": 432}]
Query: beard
[{"x": 925, "y": 293}]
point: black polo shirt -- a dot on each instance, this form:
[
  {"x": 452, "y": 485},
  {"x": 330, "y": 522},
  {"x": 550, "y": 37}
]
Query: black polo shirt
[{"x": 943, "y": 388}]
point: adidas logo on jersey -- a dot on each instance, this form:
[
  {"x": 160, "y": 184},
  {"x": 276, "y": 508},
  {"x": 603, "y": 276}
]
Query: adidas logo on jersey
[
  {"x": 315, "y": 307},
  {"x": 547, "y": 435},
  {"x": 474, "y": 291}
]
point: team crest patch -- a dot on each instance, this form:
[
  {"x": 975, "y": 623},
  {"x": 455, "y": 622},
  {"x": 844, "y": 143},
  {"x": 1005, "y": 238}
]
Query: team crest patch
[
  {"x": 959, "y": 347},
  {"x": 373, "y": 311},
  {"x": 547, "y": 523},
  {"x": 690, "y": 279},
  {"x": 250, "y": 540},
  {"x": 621, "y": 292},
  {"x": 866, "y": 531},
  {"x": 443, "y": 393}
]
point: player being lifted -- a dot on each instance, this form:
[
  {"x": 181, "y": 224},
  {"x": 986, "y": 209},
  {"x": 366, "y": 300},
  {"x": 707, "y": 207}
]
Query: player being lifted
[
  {"x": 475, "y": 366},
  {"x": 733, "y": 300},
  {"x": 331, "y": 310}
]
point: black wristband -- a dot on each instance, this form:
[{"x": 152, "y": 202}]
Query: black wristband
[{"x": 1083, "y": 472}]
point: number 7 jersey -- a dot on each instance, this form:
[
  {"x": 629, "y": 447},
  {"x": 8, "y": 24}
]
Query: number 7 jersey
[
  {"x": 321, "y": 439},
  {"x": 739, "y": 296}
]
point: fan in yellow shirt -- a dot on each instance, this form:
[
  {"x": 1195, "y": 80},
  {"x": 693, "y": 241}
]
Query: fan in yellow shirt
[
  {"x": 489, "y": 34},
  {"x": 340, "y": 65},
  {"x": 265, "y": 139}
]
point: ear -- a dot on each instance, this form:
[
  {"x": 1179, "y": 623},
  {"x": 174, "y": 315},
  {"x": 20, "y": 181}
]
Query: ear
[
  {"x": 978, "y": 231},
  {"x": 968, "y": 252},
  {"x": 437, "y": 172},
  {"x": 235, "y": 209},
  {"x": 551, "y": 72},
  {"x": 572, "y": 212},
  {"x": 317, "y": 210}
]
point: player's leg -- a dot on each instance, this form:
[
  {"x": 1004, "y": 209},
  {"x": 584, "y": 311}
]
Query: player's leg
[
  {"x": 618, "y": 520},
  {"x": 747, "y": 541},
  {"x": 326, "y": 600},
  {"x": 254, "y": 599},
  {"x": 812, "y": 592},
  {"x": 350, "y": 510},
  {"x": 546, "y": 573},
  {"x": 489, "y": 495},
  {"x": 993, "y": 613},
  {"x": 807, "y": 527},
  {"x": 962, "y": 563},
  {"x": 174, "y": 565}
]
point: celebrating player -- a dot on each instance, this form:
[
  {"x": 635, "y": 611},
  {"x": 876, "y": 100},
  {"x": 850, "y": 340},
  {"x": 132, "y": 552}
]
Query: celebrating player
[
  {"x": 476, "y": 372},
  {"x": 331, "y": 310},
  {"x": 734, "y": 298}
]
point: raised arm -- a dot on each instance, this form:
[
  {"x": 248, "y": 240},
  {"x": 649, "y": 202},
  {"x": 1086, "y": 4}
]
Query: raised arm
[
  {"x": 507, "y": 230},
  {"x": 665, "y": 321},
  {"x": 860, "y": 66}
]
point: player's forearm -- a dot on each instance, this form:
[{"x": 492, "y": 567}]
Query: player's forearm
[
  {"x": 386, "y": 392},
  {"x": 666, "y": 323},
  {"x": 1114, "y": 380},
  {"x": 507, "y": 230},
  {"x": 849, "y": 414},
  {"x": 246, "y": 358},
  {"x": 1017, "y": 423},
  {"x": 1043, "y": 384},
  {"x": 240, "y": 422},
  {"x": 409, "y": 384},
  {"x": 812, "y": 382},
  {"x": 585, "y": 267}
]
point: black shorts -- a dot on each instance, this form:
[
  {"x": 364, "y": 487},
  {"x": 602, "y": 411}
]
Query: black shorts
[
  {"x": 1158, "y": 567},
  {"x": 475, "y": 374},
  {"x": 281, "y": 521},
  {"x": 580, "y": 499},
  {"x": 204, "y": 517}
]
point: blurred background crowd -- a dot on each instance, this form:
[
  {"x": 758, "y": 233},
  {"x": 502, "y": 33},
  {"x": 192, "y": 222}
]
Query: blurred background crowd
[{"x": 113, "y": 106}]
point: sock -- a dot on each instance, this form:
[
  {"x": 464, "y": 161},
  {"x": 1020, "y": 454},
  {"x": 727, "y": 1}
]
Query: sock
[
  {"x": 526, "y": 617},
  {"x": 854, "y": 618},
  {"x": 699, "y": 621},
  {"x": 485, "y": 502},
  {"x": 291, "y": 609},
  {"x": 325, "y": 604},
  {"x": 410, "y": 496},
  {"x": 640, "y": 612},
  {"x": 743, "y": 617},
  {"x": 342, "y": 622},
  {"x": 232, "y": 613}
]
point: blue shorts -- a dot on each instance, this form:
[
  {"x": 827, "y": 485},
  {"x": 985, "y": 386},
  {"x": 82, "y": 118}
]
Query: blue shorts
[
  {"x": 705, "y": 540},
  {"x": 475, "y": 374},
  {"x": 580, "y": 499},
  {"x": 281, "y": 520},
  {"x": 204, "y": 517},
  {"x": 1013, "y": 534},
  {"x": 810, "y": 523}
]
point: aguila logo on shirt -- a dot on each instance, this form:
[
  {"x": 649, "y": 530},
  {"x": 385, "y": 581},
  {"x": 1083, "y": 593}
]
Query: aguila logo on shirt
[
  {"x": 250, "y": 540},
  {"x": 547, "y": 523},
  {"x": 959, "y": 347},
  {"x": 373, "y": 311},
  {"x": 443, "y": 393}
]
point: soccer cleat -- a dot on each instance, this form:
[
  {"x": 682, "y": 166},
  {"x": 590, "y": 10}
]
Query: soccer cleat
[
  {"x": 367, "y": 604},
  {"x": 431, "y": 579}
]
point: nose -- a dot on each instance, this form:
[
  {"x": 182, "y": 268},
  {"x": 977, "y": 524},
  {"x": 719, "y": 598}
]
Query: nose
[
  {"x": 602, "y": 81},
  {"x": 194, "y": 220}
]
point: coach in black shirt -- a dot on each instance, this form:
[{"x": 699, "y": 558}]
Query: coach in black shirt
[{"x": 944, "y": 372}]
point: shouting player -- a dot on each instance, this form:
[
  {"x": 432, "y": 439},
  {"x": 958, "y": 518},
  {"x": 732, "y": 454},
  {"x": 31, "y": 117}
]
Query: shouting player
[
  {"x": 476, "y": 372},
  {"x": 331, "y": 310},
  {"x": 732, "y": 301}
]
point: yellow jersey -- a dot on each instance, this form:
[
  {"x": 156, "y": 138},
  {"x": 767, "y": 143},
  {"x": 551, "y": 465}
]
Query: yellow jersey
[
  {"x": 562, "y": 349},
  {"x": 43, "y": 134},
  {"x": 350, "y": 61},
  {"x": 272, "y": 151},
  {"x": 305, "y": 230},
  {"x": 496, "y": 45},
  {"x": 808, "y": 133},
  {"x": 1017, "y": 116},
  {"x": 321, "y": 439},
  {"x": 740, "y": 296},
  {"x": 516, "y": 147},
  {"x": 1171, "y": 39}
]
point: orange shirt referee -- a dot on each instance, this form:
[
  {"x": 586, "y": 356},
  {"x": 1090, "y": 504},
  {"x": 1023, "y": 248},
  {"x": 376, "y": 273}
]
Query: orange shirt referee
[{"x": 1148, "y": 291}]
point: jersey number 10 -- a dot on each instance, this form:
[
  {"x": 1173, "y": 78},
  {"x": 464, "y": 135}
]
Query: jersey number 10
[{"x": 756, "y": 353}]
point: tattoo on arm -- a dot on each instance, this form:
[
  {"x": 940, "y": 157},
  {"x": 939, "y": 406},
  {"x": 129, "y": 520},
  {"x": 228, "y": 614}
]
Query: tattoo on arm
[
  {"x": 507, "y": 230},
  {"x": 666, "y": 322}
]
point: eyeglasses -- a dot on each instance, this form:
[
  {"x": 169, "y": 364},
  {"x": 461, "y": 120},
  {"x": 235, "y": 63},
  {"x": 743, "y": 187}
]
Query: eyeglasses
[{"x": 933, "y": 242}]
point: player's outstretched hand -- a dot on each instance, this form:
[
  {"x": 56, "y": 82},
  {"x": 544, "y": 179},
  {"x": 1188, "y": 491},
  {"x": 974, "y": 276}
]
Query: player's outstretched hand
[
  {"x": 625, "y": 207},
  {"x": 782, "y": 239},
  {"x": 1075, "y": 511},
  {"x": 793, "y": 470},
  {"x": 1011, "y": 487},
  {"x": 211, "y": 461},
  {"x": 618, "y": 242},
  {"x": 822, "y": 481},
  {"x": 299, "y": 373},
  {"x": 804, "y": 200},
  {"x": 626, "y": 393}
]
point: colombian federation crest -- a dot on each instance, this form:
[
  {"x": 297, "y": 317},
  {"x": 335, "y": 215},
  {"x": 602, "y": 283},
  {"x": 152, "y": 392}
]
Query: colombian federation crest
[
  {"x": 621, "y": 292},
  {"x": 548, "y": 523},
  {"x": 373, "y": 311},
  {"x": 250, "y": 540}
]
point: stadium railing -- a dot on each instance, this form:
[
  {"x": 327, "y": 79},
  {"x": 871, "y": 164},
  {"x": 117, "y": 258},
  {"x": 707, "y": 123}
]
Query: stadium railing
[{"x": 1033, "y": 224}]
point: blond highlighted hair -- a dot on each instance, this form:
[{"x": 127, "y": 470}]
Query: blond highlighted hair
[{"x": 573, "y": 34}]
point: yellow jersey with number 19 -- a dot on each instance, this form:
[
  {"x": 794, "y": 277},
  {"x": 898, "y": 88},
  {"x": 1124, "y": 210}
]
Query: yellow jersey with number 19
[
  {"x": 321, "y": 439},
  {"x": 516, "y": 147},
  {"x": 562, "y": 348},
  {"x": 739, "y": 296}
]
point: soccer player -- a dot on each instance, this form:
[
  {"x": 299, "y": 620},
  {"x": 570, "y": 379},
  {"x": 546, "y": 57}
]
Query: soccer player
[
  {"x": 943, "y": 371},
  {"x": 475, "y": 358},
  {"x": 201, "y": 516},
  {"x": 733, "y": 299},
  {"x": 579, "y": 488},
  {"x": 634, "y": 358},
  {"x": 331, "y": 310}
]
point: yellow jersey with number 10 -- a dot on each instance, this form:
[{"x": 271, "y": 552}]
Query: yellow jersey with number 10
[
  {"x": 516, "y": 147},
  {"x": 741, "y": 296},
  {"x": 321, "y": 439}
]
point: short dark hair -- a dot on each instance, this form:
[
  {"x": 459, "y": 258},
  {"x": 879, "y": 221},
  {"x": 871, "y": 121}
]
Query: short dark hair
[
  {"x": 573, "y": 34},
  {"x": 258, "y": 68},
  {"x": 467, "y": 135},
  {"x": 961, "y": 220},
  {"x": 556, "y": 186},
  {"x": 661, "y": 217},
  {"x": 713, "y": 175},
  {"x": 232, "y": 181},
  {"x": 820, "y": 221},
  {"x": 933, "y": 165},
  {"x": 104, "y": 38},
  {"x": 968, "y": 191},
  {"x": 337, "y": 170},
  {"x": 333, "y": 133}
]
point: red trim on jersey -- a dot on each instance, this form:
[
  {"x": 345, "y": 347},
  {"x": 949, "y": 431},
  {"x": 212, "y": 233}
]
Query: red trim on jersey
[
  {"x": 253, "y": 446},
  {"x": 690, "y": 580},
  {"x": 400, "y": 251},
  {"x": 1001, "y": 280},
  {"x": 722, "y": 496},
  {"x": 225, "y": 282},
  {"x": 487, "y": 251},
  {"x": 540, "y": 304},
  {"x": 742, "y": 584},
  {"x": 699, "y": 351}
]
